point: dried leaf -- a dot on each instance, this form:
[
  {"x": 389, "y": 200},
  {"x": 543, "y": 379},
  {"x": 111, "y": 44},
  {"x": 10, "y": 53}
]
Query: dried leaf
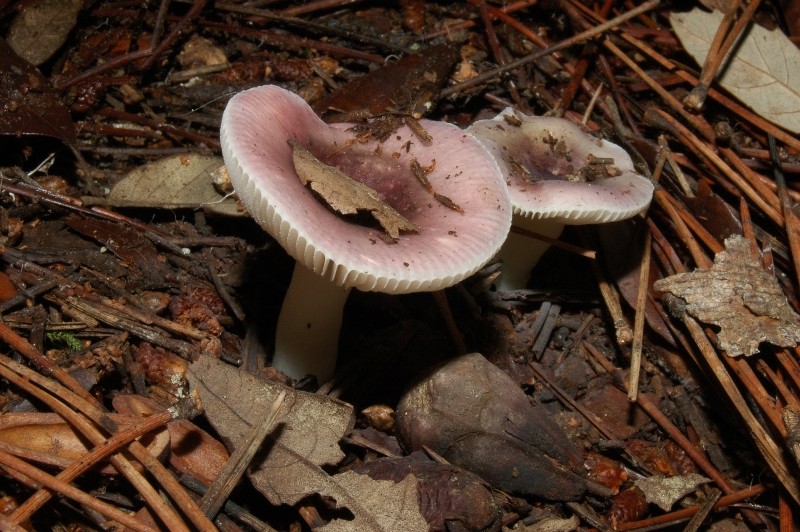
[
  {"x": 383, "y": 505},
  {"x": 193, "y": 451},
  {"x": 345, "y": 195},
  {"x": 176, "y": 182},
  {"x": 409, "y": 85},
  {"x": 307, "y": 434},
  {"x": 450, "y": 498},
  {"x": 666, "y": 491},
  {"x": 48, "y": 439},
  {"x": 764, "y": 72},
  {"x": 740, "y": 297},
  {"x": 31, "y": 106}
]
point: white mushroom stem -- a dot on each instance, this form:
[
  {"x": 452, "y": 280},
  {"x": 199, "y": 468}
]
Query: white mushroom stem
[
  {"x": 307, "y": 337},
  {"x": 520, "y": 253}
]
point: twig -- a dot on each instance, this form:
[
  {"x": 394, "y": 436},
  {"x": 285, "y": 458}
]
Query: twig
[
  {"x": 791, "y": 223},
  {"x": 30, "y": 381},
  {"x": 639, "y": 319},
  {"x": 440, "y": 298},
  {"x": 733, "y": 106},
  {"x": 685, "y": 513},
  {"x": 719, "y": 51},
  {"x": 12, "y": 462},
  {"x": 234, "y": 468},
  {"x": 664, "y": 120},
  {"x": 566, "y": 43},
  {"x": 766, "y": 445}
]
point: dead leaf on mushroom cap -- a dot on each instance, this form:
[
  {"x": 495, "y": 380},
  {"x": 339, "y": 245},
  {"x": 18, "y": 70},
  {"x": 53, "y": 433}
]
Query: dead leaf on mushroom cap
[
  {"x": 344, "y": 194},
  {"x": 740, "y": 297}
]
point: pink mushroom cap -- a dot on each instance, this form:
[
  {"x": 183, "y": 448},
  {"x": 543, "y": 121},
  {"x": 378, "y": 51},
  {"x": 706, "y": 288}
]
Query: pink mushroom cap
[
  {"x": 450, "y": 245},
  {"x": 541, "y": 159}
]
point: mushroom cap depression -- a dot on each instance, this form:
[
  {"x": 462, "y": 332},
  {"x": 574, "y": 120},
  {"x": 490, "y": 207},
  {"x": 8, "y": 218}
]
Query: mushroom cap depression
[
  {"x": 555, "y": 171},
  {"x": 450, "y": 245}
]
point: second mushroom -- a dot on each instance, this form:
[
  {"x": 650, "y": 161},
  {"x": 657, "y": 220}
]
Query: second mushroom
[
  {"x": 557, "y": 175},
  {"x": 335, "y": 253}
]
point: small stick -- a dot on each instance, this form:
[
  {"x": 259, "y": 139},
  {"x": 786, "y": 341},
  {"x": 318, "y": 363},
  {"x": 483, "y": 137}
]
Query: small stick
[
  {"x": 696, "y": 521},
  {"x": 746, "y": 114},
  {"x": 592, "y": 102},
  {"x": 716, "y": 56},
  {"x": 555, "y": 242},
  {"x": 566, "y": 43},
  {"x": 497, "y": 52},
  {"x": 697, "y": 122},
  {"x": 791, "y": 223},
  {"x": 639, "y": 319},
  {"x": 685, "y": 513},
  {"x": 234, "y": 468},
  {"x": 440, "y": 297},
  {"x": 769, "y": 450},
  {"x": 700, "y": 258},
  {"x": 662, "y": 119},
  {"x": 623, "y": 331},
  {"x": 68, "y": 490}
]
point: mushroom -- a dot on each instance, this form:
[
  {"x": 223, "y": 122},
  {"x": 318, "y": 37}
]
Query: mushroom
[
  {"x": 335, "y": 254},
  {"x": 557, "y": 175}
]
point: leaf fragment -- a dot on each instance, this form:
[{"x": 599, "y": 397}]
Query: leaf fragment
[
  {"x": 383, "y": 505},
  {"x": 740, "y": 297},
  {"x": 666, "y": 491},
  {"x": 344, "y": 194},
  {"x": 763, "y": 72}
]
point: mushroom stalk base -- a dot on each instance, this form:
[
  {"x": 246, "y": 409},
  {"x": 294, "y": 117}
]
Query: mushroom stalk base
[
  {"x": 520, "y": 253},
  {"x": 307, "y": 337}
]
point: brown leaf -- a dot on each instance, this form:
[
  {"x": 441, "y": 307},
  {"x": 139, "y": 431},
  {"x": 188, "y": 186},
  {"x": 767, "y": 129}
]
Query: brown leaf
[
  {"x": 345, "y": 195},
  {"x": 383, "y": 505},
  {"x": 31, "y": 106},
  {"x": 192, "y": 450},
  {"x": 409, "y": 85},
  {"x": 740, "y": 297},
  {"x": 306, "y": 436},
  {"x": 449, "y": 497}
]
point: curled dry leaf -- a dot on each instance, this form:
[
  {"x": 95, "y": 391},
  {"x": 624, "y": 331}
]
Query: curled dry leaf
[
  {"x": 344, "y": 194},
  {"x": 475, "y": 416},
  {"x": 48, "y": 439},
  {"x": 764, "y": 71},
  {"x": 306, "y": 435},
  {"x": 666, "y": 491},
  {"x": 740, "y": 297},
  {"x": 193, "y": 451}
]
